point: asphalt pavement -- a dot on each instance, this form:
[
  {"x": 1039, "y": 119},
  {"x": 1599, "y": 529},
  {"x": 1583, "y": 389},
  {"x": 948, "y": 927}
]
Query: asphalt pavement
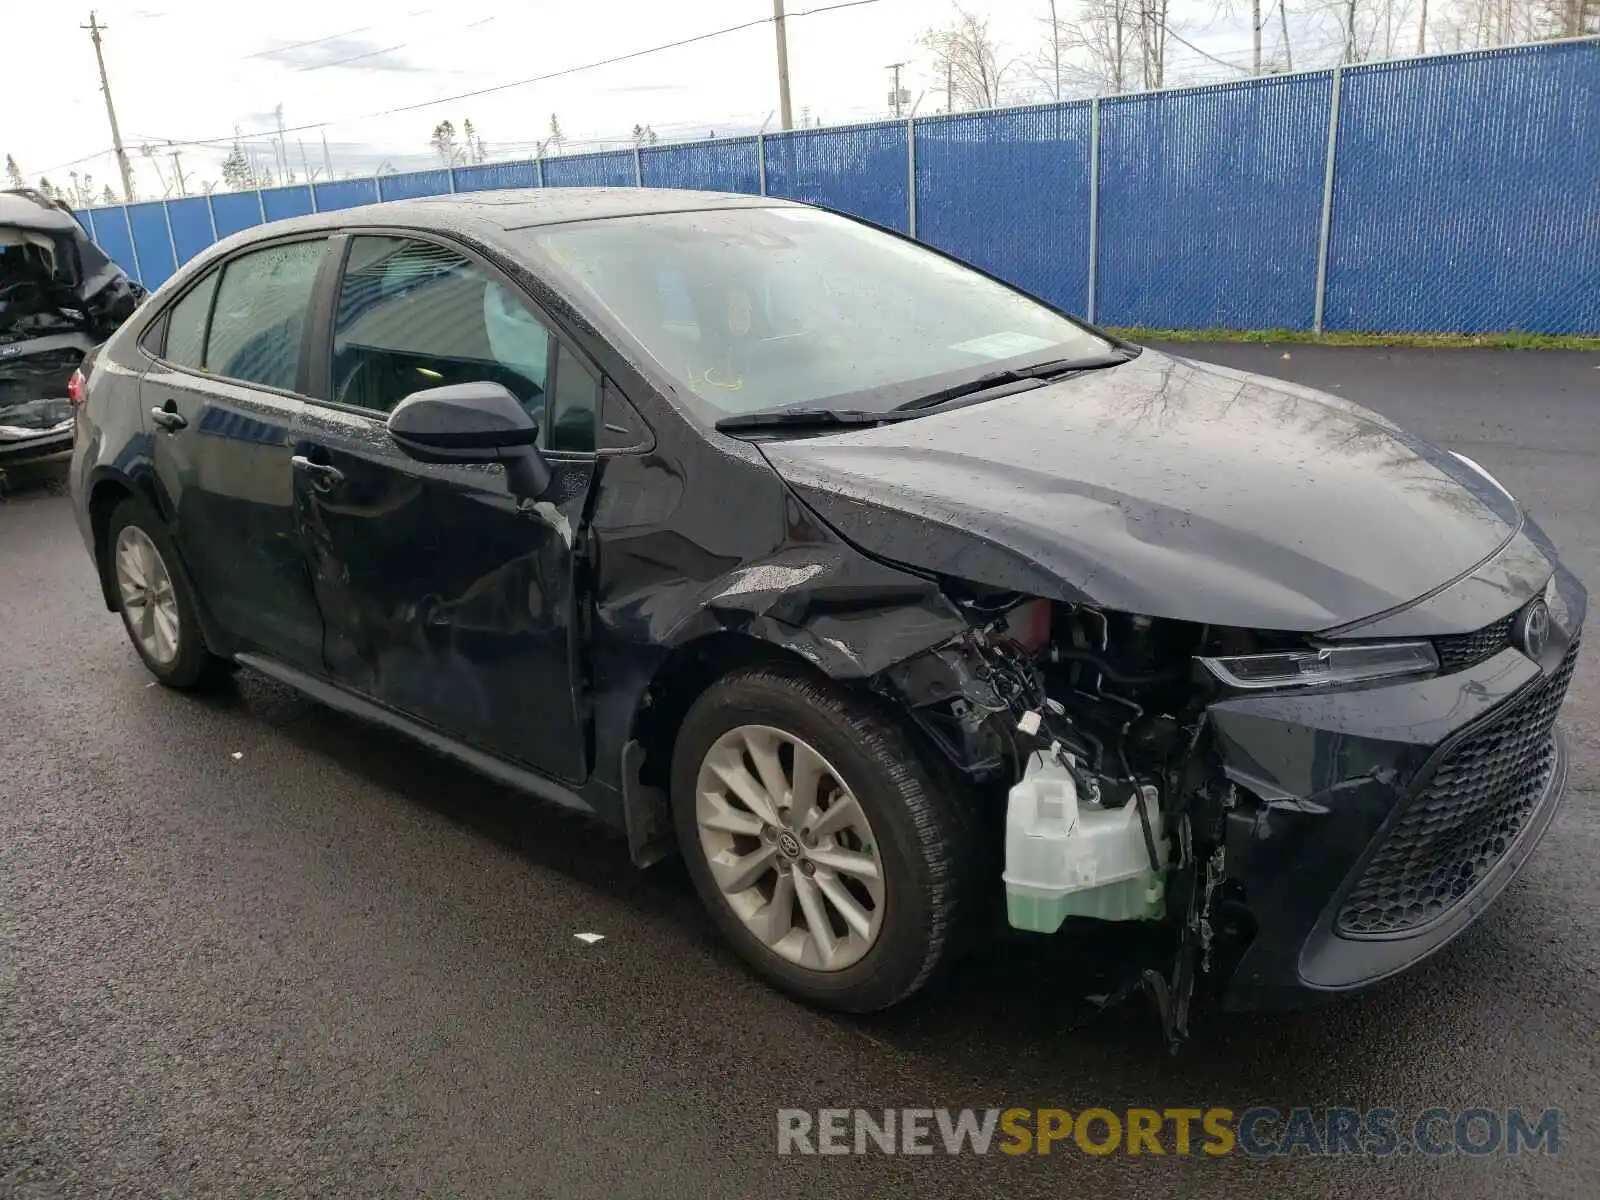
[{"x": 250, "y": 947}]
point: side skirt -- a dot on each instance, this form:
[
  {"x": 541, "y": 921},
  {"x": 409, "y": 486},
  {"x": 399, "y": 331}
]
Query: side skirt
[{"x": 360, "y": 707}]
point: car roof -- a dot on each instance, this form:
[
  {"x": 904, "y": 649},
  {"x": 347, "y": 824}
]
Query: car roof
[{"x": 523, "y": 208}]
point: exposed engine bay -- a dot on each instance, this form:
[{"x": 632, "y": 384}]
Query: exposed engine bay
[{"x": 1094, "y": 723}]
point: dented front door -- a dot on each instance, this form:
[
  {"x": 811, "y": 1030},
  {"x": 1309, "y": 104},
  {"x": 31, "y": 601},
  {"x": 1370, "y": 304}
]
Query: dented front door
[{"x": 441, "y": 598}]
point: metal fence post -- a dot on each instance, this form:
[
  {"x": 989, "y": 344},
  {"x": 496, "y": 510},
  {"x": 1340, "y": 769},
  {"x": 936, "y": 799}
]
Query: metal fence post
[
  {"x": 911, "y": 176},
  {"x": 172, "y": 241},
  {"x": 638, "y": 169},
  {"x": 761, "y": 163},
  {"x": 451, "y": 173},
  {"x": 94, "y": 236},
  {"x": 261, "y": 203},
  {"x": 538, "y": 172},
  {"x": 1094, "y": 201},
  {"x": 133, "y": 246},
  {"x": 311, "y": 190},
  {"x": 1327, "y": 202},
  {"x": 211, "y": 215}
]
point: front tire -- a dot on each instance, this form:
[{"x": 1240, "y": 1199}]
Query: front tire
[
  {"x": 155, "y": 601},
  {"x": 822, "y": 844}
]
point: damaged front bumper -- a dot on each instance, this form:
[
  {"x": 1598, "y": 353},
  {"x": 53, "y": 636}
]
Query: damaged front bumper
[{"x": 1374, "y": 825}]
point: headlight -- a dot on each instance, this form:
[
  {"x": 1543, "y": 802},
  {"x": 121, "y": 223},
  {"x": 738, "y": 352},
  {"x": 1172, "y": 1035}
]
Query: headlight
[{"x": 1325, "y": 665}]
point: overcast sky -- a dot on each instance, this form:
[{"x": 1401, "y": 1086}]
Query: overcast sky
[{"x": 189, "y": 70}]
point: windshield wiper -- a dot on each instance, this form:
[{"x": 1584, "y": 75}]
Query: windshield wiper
[
  {"x": 795, "y": 418},
  {"x": 1038, "y": 372}
]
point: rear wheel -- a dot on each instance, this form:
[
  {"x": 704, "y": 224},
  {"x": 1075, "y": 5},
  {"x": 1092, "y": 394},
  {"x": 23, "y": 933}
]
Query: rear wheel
[
  {"x": 154, "y": 599},
  {"x": 823, "y": 846}
]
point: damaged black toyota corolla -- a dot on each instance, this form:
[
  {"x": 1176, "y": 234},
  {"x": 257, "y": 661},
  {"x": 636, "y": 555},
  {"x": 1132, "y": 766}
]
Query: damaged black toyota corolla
[
  {"x": 900, "y": 603},
  {"x": 59, "y": 296}
]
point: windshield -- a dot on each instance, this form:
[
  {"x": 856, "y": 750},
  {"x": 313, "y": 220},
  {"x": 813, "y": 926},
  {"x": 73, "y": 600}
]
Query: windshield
[{"x": 759, "y": 309}]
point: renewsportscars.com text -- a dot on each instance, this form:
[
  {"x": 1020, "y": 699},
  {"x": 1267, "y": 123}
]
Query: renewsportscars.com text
[{"x": 1258, "y": 1132}]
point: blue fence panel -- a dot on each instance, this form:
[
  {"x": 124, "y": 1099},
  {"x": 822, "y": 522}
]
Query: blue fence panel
[
  {"x": 1467, "y": 194},
  {"x": 236, "y": 211},
  {"x": 413, "y": 184},
  {"x": 609, "y": 168},
  {"x": 861, "y": 170},
  {"x": 726, "y": 165},
  {"x": 150, "y": 238},
  {"x": 112, "y": 236},
  {"x": 82, "y": 214},
  {"x": 191, "y": 227},
  {"x": 345, "y": 193},
  {"x": 1010, "y": 192},
  {"x": 488, "y": 176},
  {"x": 1210, "y": 205},
  {"x": 285, "y": 202}
]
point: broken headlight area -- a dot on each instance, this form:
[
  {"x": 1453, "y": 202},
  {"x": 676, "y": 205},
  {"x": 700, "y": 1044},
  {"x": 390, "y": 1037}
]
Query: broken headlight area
[{"x": 1085, "y": 734}]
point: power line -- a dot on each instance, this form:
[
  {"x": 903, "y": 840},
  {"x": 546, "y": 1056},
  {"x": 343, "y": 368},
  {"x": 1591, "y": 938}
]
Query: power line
[
  {"x": 501, "y": 87},
  {"x": 332, "y": 37}
]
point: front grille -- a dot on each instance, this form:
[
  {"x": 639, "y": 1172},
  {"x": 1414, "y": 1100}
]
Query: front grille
[
  {"x": 1462, "y": 822},
  {"x": 1463, "y": 650}
]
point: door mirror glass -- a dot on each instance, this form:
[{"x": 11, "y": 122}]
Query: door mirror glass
[{"x": 473, "y": 423}]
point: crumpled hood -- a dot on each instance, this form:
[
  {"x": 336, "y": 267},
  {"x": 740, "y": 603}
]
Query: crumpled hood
[{"x": 1166, "y": 487}]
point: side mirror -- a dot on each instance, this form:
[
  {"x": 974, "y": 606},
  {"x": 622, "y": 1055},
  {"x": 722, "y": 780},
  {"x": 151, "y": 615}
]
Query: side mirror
[{"x": 473, "y": 423}]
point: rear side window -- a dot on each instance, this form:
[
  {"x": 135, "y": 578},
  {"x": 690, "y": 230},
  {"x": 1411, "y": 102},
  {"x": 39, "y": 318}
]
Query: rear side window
[
  {"x": 186, "y": 325},
  {"x": 414, "y": 315},
  {"x": 260, "y": 315}
]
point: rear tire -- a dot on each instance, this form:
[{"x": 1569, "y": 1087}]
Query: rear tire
[
  {"x": 770, "y": 885},
  {"x": 155, "y": 600}
]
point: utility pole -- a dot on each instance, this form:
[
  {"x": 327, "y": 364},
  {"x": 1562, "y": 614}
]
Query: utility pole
[
  {"x": 1422, "y": 29},
  {"x": 1255, "y": 26},
  {"x": 94, "y": 27},
  {"x": 783, "y": 65},
  {"x": 949, "y": 87},
  {"x": 327, "y": 159},
  {"x": 1283, "y": 20},
  {"x": 284, "y": 175},
  {"x": 897, "y": 97},
  {"x": 177, "y": 170}
]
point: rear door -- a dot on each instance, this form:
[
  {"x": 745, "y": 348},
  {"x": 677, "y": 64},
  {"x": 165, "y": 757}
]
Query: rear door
[
  {"x": 443, "y": 597},
  {"x": 221, "y": 401}
]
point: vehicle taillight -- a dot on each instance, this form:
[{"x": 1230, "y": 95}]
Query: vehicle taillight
[{"x": 75, "y": 387}]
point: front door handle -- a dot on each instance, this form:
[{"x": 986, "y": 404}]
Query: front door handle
[
  {"x": 322, "y": 475},
  {"x": 169, "y": 419}
]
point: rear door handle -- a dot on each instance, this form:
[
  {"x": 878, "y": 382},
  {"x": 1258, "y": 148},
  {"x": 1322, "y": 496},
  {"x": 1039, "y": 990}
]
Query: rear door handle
[
  {"x": 169, "y": 419},
  {"x": 322, "y": 475}
]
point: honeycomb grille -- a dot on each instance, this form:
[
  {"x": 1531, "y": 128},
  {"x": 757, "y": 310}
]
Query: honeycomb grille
[
  {"x": 1464, "y": 650},
  {"x": 1462, "y": 822}
]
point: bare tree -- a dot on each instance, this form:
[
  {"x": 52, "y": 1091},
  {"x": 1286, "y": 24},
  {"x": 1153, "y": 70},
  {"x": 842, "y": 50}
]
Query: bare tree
[
  {"x": 443, "y": 142},
  {"x": 1152, "y": 15},
  {"x": 969, "y": 59}
]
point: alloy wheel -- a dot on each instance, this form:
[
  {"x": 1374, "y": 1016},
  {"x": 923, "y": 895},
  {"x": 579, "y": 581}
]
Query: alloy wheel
[
  {"x": 145, "y": 587},
  {"x": 790, "y": 847}
]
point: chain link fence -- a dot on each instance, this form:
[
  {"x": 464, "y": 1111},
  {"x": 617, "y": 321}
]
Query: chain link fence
[{"x": 1451, "y": 194}]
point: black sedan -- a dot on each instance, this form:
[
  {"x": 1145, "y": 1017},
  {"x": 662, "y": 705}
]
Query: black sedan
[{"x": 902, "y": 605}]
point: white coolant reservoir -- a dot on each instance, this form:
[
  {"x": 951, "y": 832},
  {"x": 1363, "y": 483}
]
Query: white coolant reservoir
[{"x": 1067, "y": 856}]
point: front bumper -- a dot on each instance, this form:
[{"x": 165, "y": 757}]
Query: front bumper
[{"x": 1375, "y": 825}]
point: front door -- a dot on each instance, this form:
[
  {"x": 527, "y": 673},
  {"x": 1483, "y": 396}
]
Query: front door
[
  {"x": 221, "y": 403},
  {"x": 442, "y": 597}
]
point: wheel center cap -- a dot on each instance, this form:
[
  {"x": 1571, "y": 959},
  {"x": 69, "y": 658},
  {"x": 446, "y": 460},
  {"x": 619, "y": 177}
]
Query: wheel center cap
[{"x": 789, "y": 845}]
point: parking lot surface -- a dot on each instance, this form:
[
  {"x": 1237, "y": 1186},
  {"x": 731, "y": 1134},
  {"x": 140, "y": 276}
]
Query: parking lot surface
[{"x": 251, "y": 947}]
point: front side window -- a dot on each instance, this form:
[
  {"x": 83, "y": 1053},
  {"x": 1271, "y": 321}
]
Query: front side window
[
  {"x": 751, "y": 309},
  {"x": 260, "y": 315},
  {"x": 186, "y": 325},
  {"x": 413, "y": 315}
]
